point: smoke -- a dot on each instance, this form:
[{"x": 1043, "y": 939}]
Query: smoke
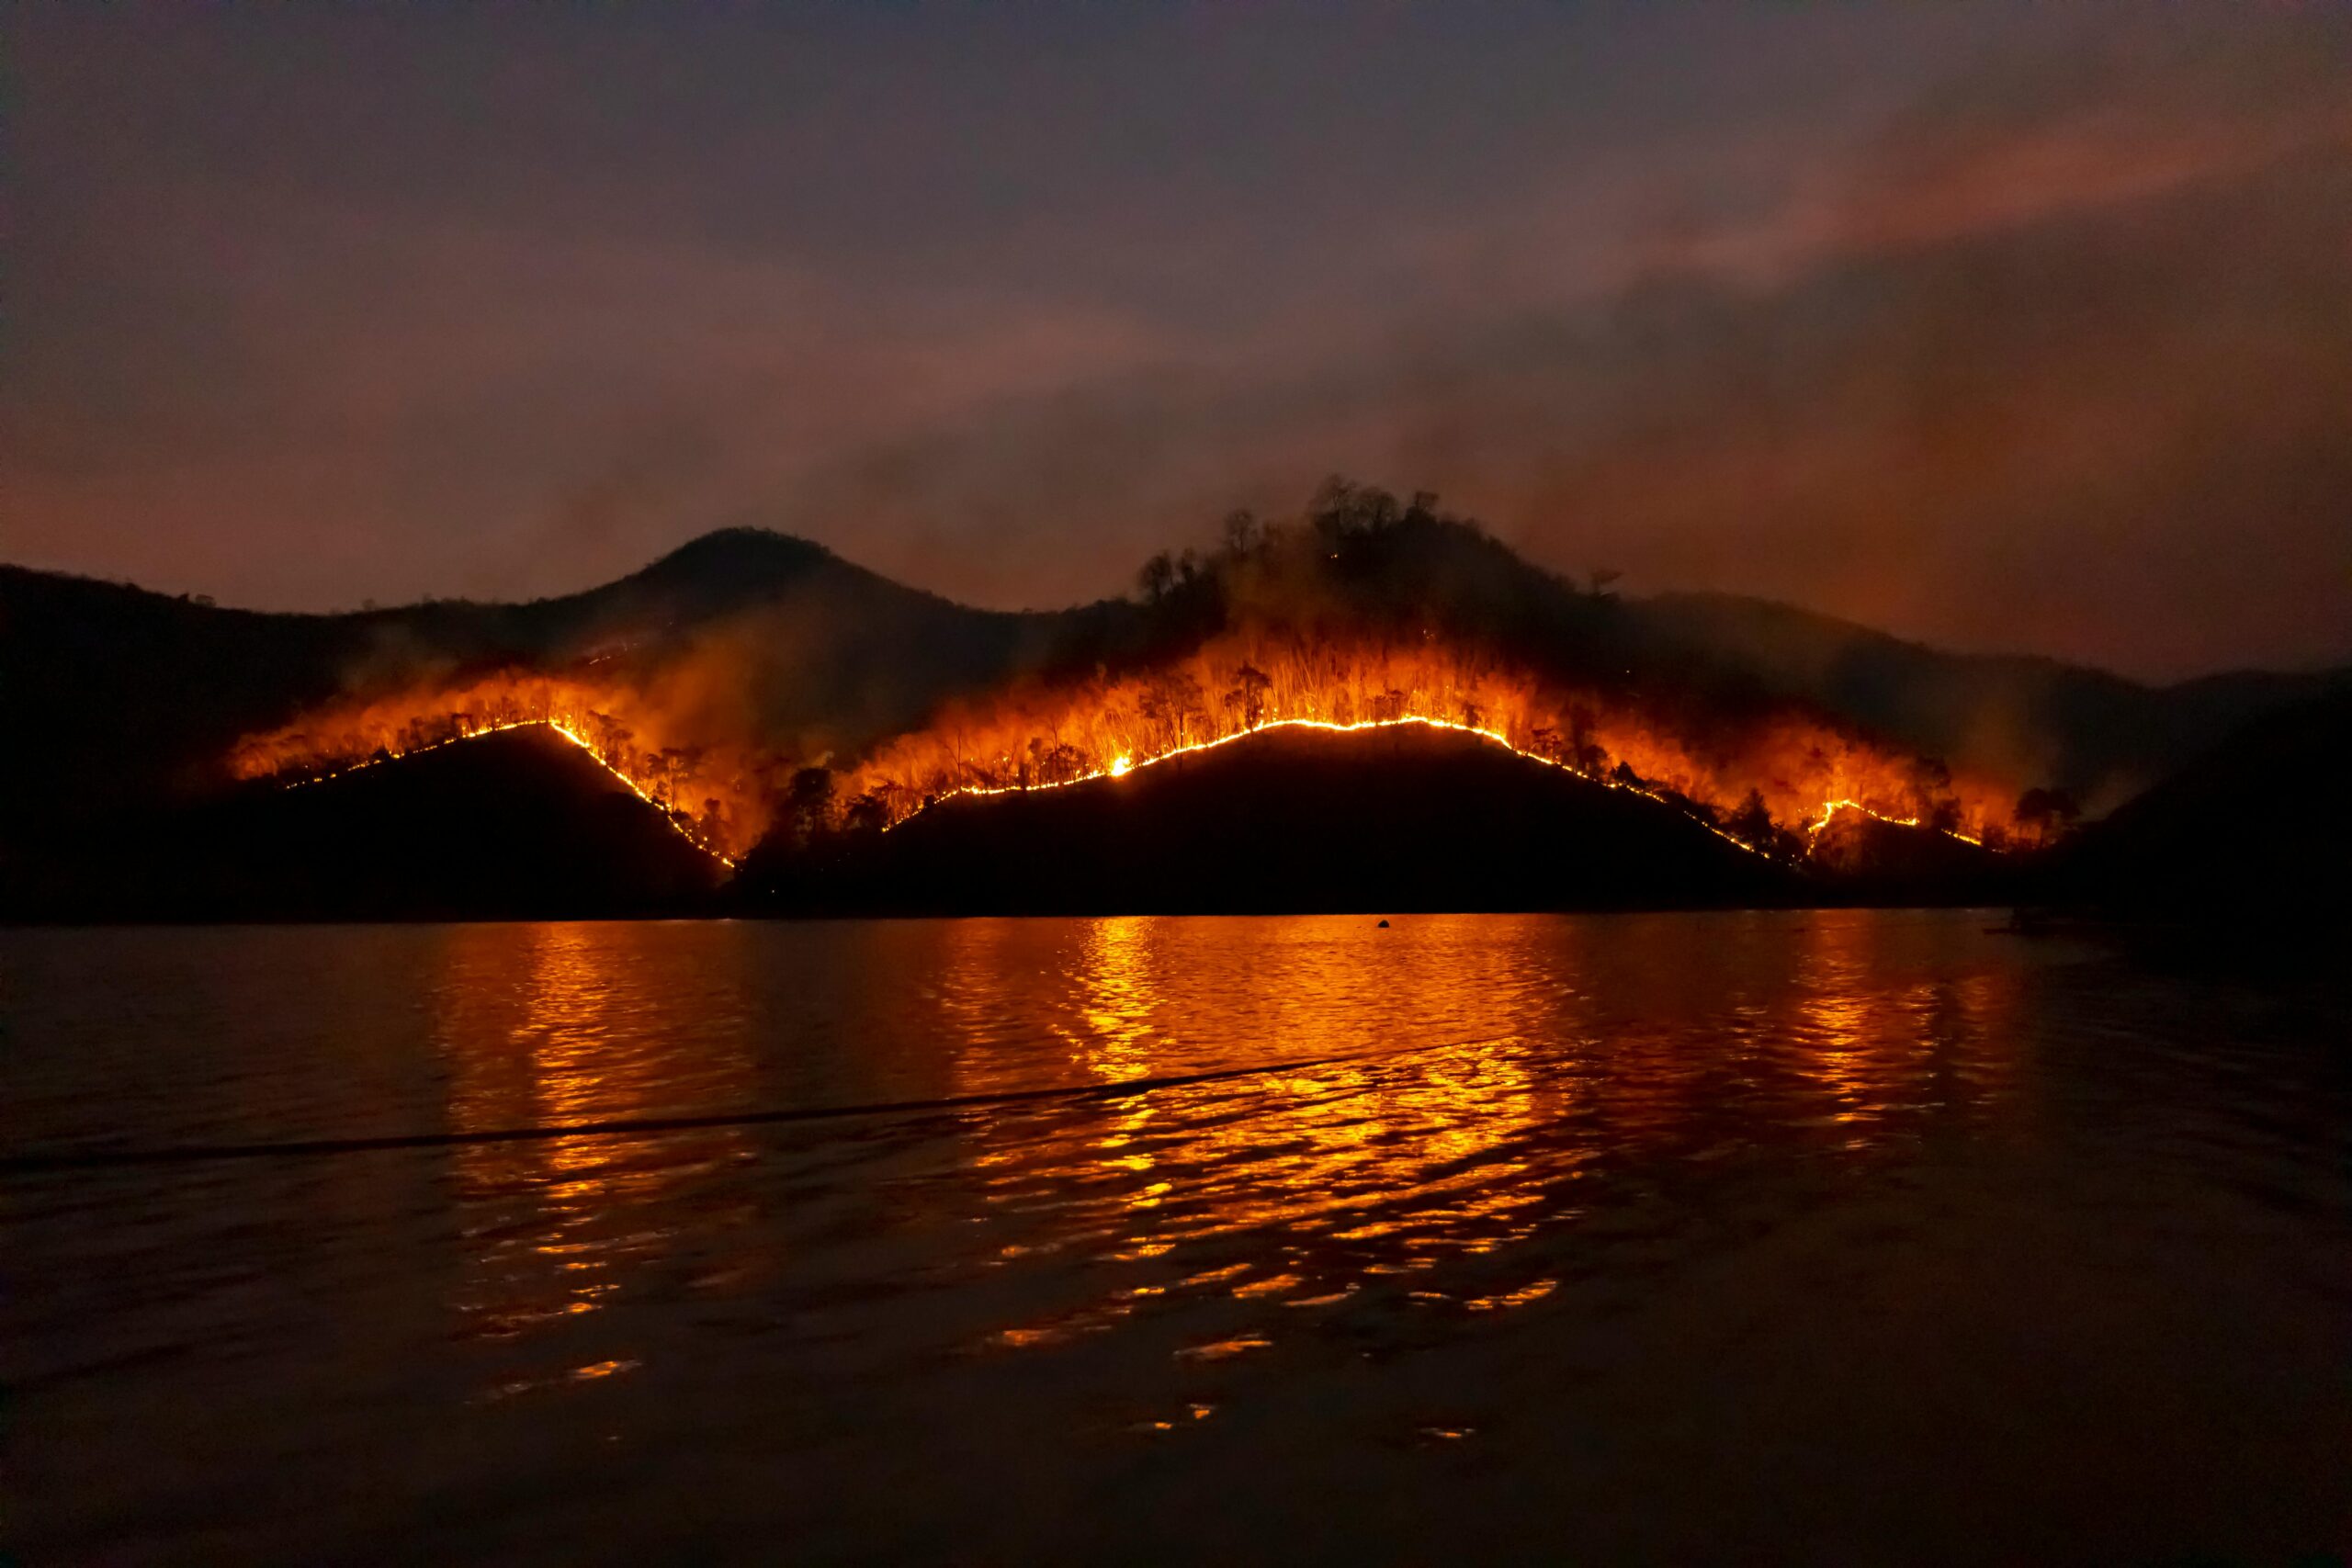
[
  {"x": 2062, "y": 361},
  {"x": 2049, "y": 351}
]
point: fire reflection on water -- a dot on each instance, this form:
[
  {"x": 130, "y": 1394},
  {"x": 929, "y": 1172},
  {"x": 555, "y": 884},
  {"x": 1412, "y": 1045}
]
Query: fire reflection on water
[
  {"x": 1326, "y": 1175},
  {"x": 1536, "y": 1103},
  {"x": 1442, "y": 1107},
  {"x": 560, "y": 1024},
  {"x": 1120, "y": 997}
]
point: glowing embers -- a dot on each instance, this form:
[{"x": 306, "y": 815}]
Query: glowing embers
[
  {"x": 331, "y": 742},
  {"x": 556, "y": 727},
  {"x": 1758, "y": 772},
  {"x": 1123, "y": 766},
  {"x": 1829, "y": 812}
]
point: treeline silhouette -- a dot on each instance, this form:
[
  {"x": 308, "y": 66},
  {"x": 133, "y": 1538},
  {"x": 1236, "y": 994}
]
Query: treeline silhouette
[
  {"x": 1299, "y": 819},
  {"x": 125, "y": 705}
]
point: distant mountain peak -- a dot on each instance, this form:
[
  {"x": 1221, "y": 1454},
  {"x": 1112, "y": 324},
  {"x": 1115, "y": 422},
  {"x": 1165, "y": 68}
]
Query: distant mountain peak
[{"x": 743, "y": 549}]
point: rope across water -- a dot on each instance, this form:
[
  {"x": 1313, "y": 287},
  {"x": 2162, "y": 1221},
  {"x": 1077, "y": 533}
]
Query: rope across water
[{"x": 102, "y": 1158}]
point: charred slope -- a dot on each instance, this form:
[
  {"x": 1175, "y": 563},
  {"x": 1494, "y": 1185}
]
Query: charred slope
[
  {"x": 1395, "y": 819},
  {"x": 2251, "y": 834},
  {"x": 518, "y": 824}
]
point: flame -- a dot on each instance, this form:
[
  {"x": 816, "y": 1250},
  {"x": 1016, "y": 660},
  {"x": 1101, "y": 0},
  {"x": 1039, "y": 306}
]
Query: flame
[
  {"x": 344, "y": 739},
  {"x": 1768, "y": 778},
  {"x": 1814, "y": 829},
  {"x": 1121, "y": 766},
  {"x": 1802, "y": 768}
]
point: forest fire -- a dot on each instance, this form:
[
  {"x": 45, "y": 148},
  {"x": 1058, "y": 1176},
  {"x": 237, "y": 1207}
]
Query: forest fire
[
  {"x": 1829, "y": 814},
  {"x": 678, "y": 821},
  {"x": 1121, "y": 766},
  {"x": 1362, "y": 614},
  {"x": 711, "y": 795},
  {"x": 1768, "y": 781}
]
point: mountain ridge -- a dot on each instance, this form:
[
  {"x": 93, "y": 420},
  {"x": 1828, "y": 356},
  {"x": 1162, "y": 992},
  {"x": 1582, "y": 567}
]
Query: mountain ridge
[{"x": 141, "y": 694}]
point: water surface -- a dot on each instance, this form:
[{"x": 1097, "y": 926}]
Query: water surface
[{"x": 1780, "y": 1237}]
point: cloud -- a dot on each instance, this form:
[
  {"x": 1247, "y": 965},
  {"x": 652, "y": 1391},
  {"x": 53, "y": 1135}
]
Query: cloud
[
  {"x": 2036, "y": 345},
  {"x": 2059, "y": 370}
]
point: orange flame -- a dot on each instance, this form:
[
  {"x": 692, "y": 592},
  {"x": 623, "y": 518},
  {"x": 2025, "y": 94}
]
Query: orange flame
[
  {"x": 1802, "y": 769},
  {"x": 1771, "y": 778},
  {"x": 713, "y": 795}
]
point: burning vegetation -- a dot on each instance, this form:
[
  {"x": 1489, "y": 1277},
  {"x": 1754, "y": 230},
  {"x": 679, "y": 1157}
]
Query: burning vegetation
[
  {"x": 1768, "y": 783},
  {"x": 1361, "y": 613},
  {"x": 1367, "y": 613},
  {"x": 713, "y": 795}
]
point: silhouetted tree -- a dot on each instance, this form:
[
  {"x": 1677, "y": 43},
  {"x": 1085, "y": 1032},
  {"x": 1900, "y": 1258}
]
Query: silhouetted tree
[
  {"x": 1586, "y": 754},
  {"x": 867, "y": 815},
  {"x": 2046, "y": 813},
  {"x": 809, "y": 803},
  {"x": 1250, "y": 685},
  {"x": 669, "y": 772},
  {"x": 1930, "y": 781},
  {"x": 1173, "y": 700},
  {"x": 1752, "y": 823},
  {"x": 1157, "y": 576}
]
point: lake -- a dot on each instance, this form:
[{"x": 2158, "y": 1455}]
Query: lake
[{"x": 1799, "y": 1236}]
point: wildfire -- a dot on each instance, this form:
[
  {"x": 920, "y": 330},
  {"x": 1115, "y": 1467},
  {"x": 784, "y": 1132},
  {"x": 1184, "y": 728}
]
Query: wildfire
[
  {"x": 1814, "y": 829},
  {"x": 1766, "y": 781},
  {"x": 1121, "y": 766},
  {"x": 343, "y": 740},
  {"x": 554, "y": 727}
]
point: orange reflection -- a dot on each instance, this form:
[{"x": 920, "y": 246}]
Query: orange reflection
[
  {"x": 1561, "y": 1056},
  {"x": 1359, "y": 1168},
  {"x": 1118, "y": 999},
  {"x": 541, "y": 1025},
  {"x": 1838, "y": 1011}
]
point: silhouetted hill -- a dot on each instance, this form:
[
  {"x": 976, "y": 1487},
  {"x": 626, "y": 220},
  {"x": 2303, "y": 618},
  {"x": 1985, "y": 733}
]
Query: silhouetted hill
[
  {"x": 122, "y": 700},
  {"x": 517, "y": 824},
  {"x": 1405, "y": 818},
  {"x": 2095, "y": 735},
  {"x": 2253, "y": 833},
  {"x": 128, "y": 698},
  {"x": 1866, "y": 860}
]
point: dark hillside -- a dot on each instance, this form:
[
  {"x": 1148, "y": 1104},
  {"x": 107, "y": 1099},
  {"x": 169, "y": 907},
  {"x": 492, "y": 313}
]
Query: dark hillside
[
  {"x": 2095, "y": 735},
  {"x": 1290, "y": 821},
  {"x": 519, "y": 824},
  {"x": 122, "y": 701},
  {"x": 2252, "y": 834},
  {"x": 129, "y": 699}
]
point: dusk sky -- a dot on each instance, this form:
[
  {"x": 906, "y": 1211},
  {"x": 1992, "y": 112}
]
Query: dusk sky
[{"x": 2007, "y": 328}]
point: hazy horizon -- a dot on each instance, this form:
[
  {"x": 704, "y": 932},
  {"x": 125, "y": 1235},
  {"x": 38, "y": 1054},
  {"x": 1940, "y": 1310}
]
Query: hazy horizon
[{"x": 2000, "y": 328}]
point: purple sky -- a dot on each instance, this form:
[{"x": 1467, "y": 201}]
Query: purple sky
[{"x": 2002, "y": 327}]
